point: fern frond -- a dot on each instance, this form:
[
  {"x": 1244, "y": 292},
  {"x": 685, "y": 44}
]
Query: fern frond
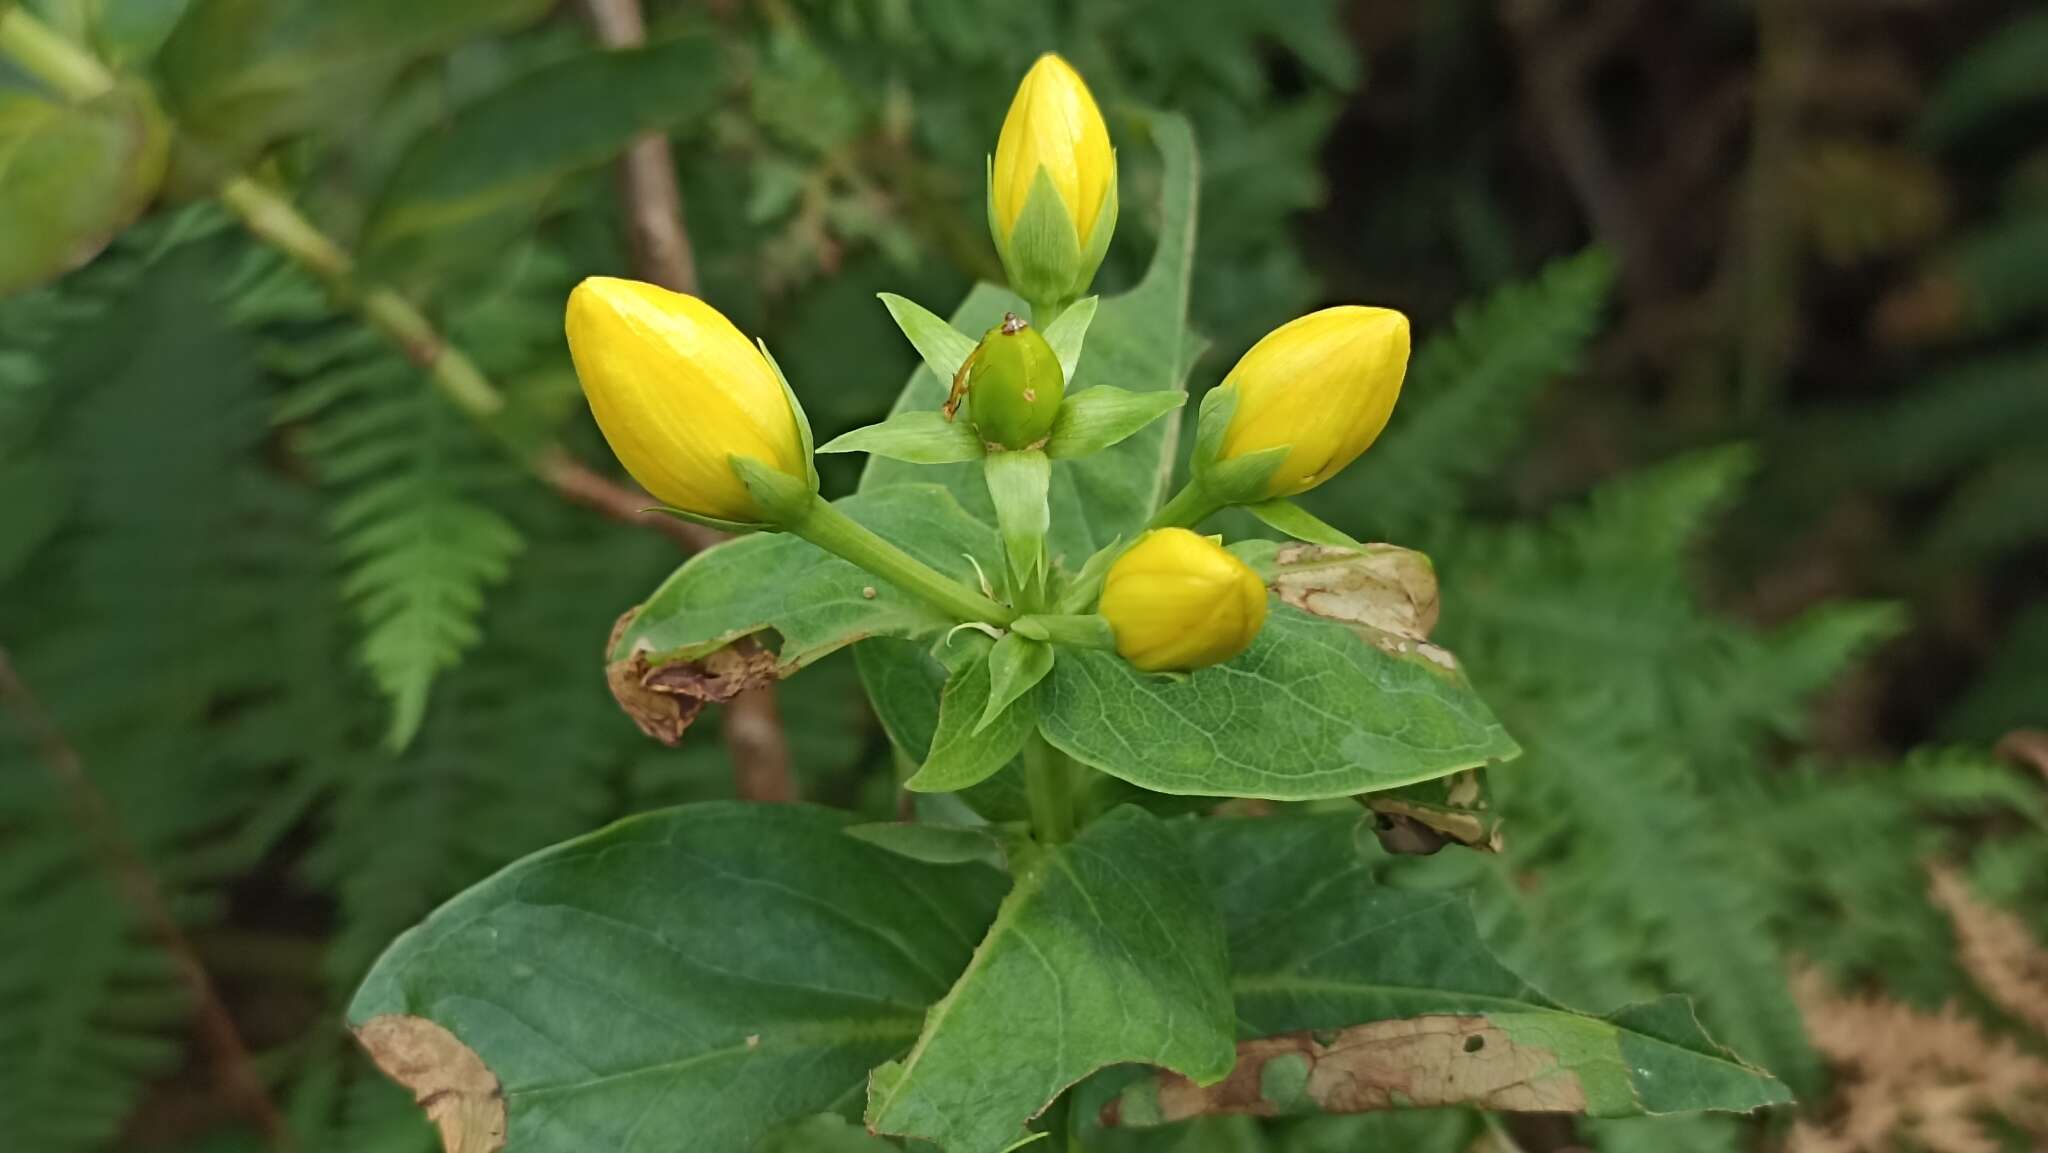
[
  {"x": 1467, "y": 398},
  {"x": 417, "y": 538}
]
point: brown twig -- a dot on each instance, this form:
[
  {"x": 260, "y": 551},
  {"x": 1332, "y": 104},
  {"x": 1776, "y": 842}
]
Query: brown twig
[
  {"x": 233, "y": 1069},
  {"x": 660, "y": 243}
]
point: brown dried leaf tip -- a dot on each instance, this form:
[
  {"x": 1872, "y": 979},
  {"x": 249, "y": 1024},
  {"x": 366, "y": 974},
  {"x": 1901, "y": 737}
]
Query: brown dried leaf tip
[
  {"x": 446, "y": 1077},
  {"x": 1416, "y": 1062},
  {"x": 665, "y": 700},
  {"x": 1386, "y": 594}
]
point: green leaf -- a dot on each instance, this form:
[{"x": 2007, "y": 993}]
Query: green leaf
[
  {"x": 923, "y": 436},
  {"x": 1017, "y": 485},
  {"x": 1107, "y": 951},
  {"x": 943, "y": 347},
  {"x": 1015, "y": 666},
  {"x": 1310, "y": 710},
  {"x": 1091, "y": 421},
  {"x": 1136, "y": 342},
  {"x": 1301, "y": 524},
  {"x": 685, "y": 979},
  {"x": 488, "y": 171},
  {"x": 242, "y": 74},
  {"x": 966, "y": 751},
  {"x": 1378, "y": 998},
  {"x": 815, "y": 601},
  {"x": 1069, "y": 332},
  {"x": 71, "y": 177},
  {"x": 2002, "y": 72},
  {"x": 934, "y": 844}
]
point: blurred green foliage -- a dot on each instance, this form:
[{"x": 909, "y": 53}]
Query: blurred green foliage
[{"x": 331, "y": 654}]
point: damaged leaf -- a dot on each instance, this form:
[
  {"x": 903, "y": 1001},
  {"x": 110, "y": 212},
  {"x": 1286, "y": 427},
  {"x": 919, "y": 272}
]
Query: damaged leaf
[
  {"x": 446, "y": 1077},
  {"x": 665, "y": 701},
  {"x": 1410, "y": 1063},
  {"x": 1384, "y": 593},
  {"x": 1107, "y": 951},
  {"x": 688, "y": 979},
  {"x": 1420, "y": 819},
  {"x": 1393, "y": 996}
]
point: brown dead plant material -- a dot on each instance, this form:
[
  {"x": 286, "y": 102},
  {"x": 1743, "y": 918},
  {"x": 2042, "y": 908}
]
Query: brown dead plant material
[
  {"x": 1998, "y": 952},
  {"x": 664, "y": 700},
  {"x": 459, "y": 1093},
  {"x": 1929, "y": 1081}
]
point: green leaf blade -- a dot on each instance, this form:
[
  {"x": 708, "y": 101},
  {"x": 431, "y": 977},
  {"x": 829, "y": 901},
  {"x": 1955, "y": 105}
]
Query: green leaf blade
[
  {"x": 1310, "y": 711},
  {"x": 816, "y": 602},
  {"x": 689, "y": 978},
  {"x": 1108, "y": 951},
  {"x": 1317, "y": 943},
  {"x": 71, "y": 177}
]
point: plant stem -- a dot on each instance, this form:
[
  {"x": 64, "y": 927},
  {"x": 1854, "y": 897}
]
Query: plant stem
[
  {"x": 1049, "y": 789},
  {"x": 837, "y": 533},
  {"x": 49, "y": 57},
  {"x": 1080, "y": 631},
  {"x": 1189, "y": 507},
  {"x": 1044, "y": 312}
]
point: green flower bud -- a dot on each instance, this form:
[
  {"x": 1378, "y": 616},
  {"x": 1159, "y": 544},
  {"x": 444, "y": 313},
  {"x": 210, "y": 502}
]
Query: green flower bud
[{"x": 1014, "y": 386}]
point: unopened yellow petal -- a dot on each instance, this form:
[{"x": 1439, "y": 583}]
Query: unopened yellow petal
[
  {"x": 678, "y": 391},
  {"x": 1053, "y": 124},
  {"x": 1180, "y": 601},
  {"x": 1323, "y": 385}
]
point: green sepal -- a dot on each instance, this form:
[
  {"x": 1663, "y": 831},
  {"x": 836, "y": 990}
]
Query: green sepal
[
  {"x": 1080, "y": 593},
  {"x": 1097, "y": 418},
  {"x": 919, "y": 436},
  {"x": 803, "y": 422},
  {"x": 1301, "y": 524},
  {"x": 1018, "y": 484},
  {"x": 965, "y": 752},
  {"x": 1244, "y": 479},
  {"x": 1043, "y": 252},
  {"x": 1068, "y": 332},
  {"x": 1212, "y": 420},
  {"x": 1074, "y": 630},
  {"x": 1015, "y": 665},
  {"x": 942, "y": 347},
  {"x": 731, "y": 526},
  {"x": 784, "y": 498},
  {"x": 1098, "y": 241}
]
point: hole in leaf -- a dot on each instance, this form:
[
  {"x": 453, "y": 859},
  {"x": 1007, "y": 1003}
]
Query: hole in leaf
[{"x": 1474, "y": 1043}]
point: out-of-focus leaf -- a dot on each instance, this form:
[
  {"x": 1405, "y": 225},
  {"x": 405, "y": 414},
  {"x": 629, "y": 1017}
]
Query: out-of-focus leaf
[
  {"x": 71, "y": 177},
  {"x": 239, "y": 75},
  {"x": 502, "y": 155},
  {"x": 686, "y": 979}
]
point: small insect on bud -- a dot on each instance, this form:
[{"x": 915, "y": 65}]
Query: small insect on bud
[{"x": 1013, "y": 386}]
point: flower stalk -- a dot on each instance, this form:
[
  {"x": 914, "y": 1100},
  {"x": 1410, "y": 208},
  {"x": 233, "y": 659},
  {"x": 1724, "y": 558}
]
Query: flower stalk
[{"x": 839, "y": 534}]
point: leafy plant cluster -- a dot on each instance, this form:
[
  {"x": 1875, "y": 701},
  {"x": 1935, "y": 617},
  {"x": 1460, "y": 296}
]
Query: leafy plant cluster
[{"x": 301, "y": 617}]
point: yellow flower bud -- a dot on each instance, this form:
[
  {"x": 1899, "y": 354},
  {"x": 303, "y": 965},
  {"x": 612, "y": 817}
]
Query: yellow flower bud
[
  {"x": 1322, "y": 386},
  {"x": 1053, "y": 128},
  {"x": 1179, "y": 601},
  {"x": 678, "y": 391}
]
